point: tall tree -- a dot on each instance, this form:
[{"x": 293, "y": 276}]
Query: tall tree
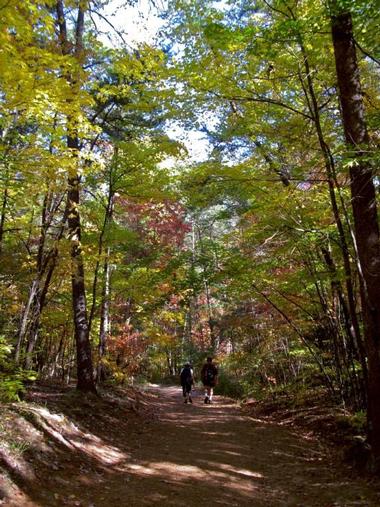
[
  {"x": 363, "y": 198},
  {"x": 85, "y": 380}
]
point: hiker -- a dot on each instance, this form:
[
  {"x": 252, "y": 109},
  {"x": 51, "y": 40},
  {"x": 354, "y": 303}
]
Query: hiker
[
  {"x": 209, "y": 376},
  {"x": 187, "y": 381}
]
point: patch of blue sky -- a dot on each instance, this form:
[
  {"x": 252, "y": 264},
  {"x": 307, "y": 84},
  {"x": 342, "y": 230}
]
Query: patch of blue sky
[
  {"x": 124, "y": 22},
  {"x": 137, "y": 23}
]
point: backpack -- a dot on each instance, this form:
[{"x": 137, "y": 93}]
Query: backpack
[
  {"x": 210, "y": 374},
  {"x": 186, "y": 375}
]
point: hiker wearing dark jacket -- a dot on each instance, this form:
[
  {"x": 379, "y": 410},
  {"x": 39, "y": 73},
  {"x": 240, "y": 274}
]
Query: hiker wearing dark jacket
[
  {"x": 187, "y": 381},
  {"x": 209, "y": 376}
]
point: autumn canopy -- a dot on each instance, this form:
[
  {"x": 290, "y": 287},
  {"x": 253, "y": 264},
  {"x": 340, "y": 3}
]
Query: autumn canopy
[{"x": 123, "y": 254}]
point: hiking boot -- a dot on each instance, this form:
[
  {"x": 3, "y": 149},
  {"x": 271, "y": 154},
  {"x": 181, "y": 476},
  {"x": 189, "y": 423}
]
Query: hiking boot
[
  {"x": 185, "y": 401},
  {"x": 206, "y": 399},
  {"x": 190, "y": 400}
]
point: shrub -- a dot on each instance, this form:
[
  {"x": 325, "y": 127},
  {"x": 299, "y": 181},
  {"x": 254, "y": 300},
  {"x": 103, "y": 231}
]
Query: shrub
[
  {"x": 229, "y": 386},
  {"x": 10, "y": 388},
  {"x": 12, "y": 378}
]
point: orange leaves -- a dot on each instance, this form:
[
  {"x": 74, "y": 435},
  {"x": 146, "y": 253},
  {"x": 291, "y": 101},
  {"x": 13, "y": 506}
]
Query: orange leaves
[
  {"x": 159, "y": 224},
  {"x": 127, "y": 349}
]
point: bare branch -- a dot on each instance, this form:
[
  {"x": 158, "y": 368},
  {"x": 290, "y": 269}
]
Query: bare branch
[
  {"x": 106, "y": 20},
  {"x": 263, "y": 100},
  {"x": 368, "y": 55}
]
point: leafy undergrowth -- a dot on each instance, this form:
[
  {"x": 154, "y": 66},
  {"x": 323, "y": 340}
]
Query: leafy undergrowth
[
  {"x": 56, "y": 429},
  {"x": 317, "y": 415}
]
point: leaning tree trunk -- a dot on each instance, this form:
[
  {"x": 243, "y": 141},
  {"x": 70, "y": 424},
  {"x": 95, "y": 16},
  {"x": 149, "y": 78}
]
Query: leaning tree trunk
[
  {"x": 363, "y": 195},
  {"x": 39, "y": 305},
  {"x": 46, "y": 263},
  {"x": 25, "y": 318}
]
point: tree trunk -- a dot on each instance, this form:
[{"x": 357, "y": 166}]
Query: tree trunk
[
  {"x": 104, "y": 317},
  {"x": 364, "y": 209},
  {"x": 46, "y": 260},
  {"x": 25, "y": 318},
  {"x": 332, "y": 184},
  {"x": 38, "y": 306},
  {"x": 2, "y": 216},
  {"x": 107, "y": 220},
  {"x": 84, "y": 360},
  {"x": 85, "y": 380},
  {"x": 352, "y": 351},
  {"x": 350, "y": 309}
]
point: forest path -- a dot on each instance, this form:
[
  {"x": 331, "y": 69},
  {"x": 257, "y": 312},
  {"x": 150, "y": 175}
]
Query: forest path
[
  {"x": 190, "y": 455},
  {"x": 211, "y": 455}
]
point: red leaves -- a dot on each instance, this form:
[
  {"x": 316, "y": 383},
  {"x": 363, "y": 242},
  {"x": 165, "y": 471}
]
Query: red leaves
[
  {"x": 128, "y": 348},
  {"x": 160, "y": 224},
  {"x": 127, "y": 342}
]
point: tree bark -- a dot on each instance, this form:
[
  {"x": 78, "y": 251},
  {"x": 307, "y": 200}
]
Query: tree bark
[
  {"x": 39, "y": 304},
  {"x": 104, "y": 316},
  {"x": 2, "y": 216},
  {"x": 25, "y": 318},
  {"x": 46, "y": 260},
  {"x": 332, "y": 184},
  {"x": 364, "y": 208},
  {"x": 85, "y": 379},
  {"x": 107, "y": 219}
]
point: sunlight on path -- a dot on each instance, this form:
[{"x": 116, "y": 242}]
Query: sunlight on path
[
  {"x": 179, "y": 455},
  {"x": 213, "y": 455}
]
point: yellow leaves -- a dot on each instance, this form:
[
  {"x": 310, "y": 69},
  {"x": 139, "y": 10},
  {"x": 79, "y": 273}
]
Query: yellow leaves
[
  {"x": 144, "y": 65},
  {"x": 171, "y": 317},
  {"x": 14, "y": 308},
  {"x": 18, "y": 50},
  {"x": 35, "y": 79},
  {"x": 159, "y": 336}
]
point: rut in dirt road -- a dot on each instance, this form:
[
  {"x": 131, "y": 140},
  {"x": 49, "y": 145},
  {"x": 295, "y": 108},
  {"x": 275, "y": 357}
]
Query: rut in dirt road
[{"x": 211, "y": 455}]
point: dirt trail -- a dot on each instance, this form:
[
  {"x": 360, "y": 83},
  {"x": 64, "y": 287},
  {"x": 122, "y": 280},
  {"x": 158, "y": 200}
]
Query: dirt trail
[
  {"x": 211, "y": 455},
  {"x": 202, "y": 455}
]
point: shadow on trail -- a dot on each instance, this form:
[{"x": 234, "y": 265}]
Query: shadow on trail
[
  {"x": 214, "y": 455},
  {"x": 98, "y": 454},
  {"x": 69, "y": 448}
]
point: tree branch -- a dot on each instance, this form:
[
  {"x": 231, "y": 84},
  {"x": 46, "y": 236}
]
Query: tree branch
[
  {"x": 262, "y": 100},
  {"x": 368, "y": 55}
]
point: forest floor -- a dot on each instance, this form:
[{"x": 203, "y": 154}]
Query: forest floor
[{"x": 130, "y": 449}]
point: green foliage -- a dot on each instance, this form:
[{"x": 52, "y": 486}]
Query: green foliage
[
  {"x": 5, "y": 351},
  {"x": 12, "y": 378},
  {"x": 18, "y": 447},
  {"x": 224, "y": 256},
  {"x": 11, "y": 386},
  {"x": 355, "y": 422},
  {"x": 230, "y": 386}
]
